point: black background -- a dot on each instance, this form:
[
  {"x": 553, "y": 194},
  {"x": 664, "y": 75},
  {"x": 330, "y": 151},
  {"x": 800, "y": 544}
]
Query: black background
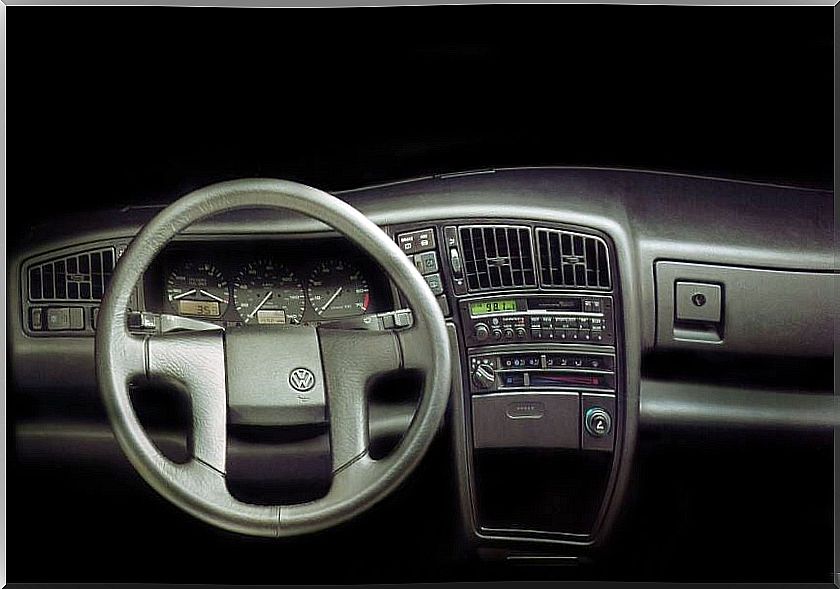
[
  {"x": 121, "y": 105},
  {"x": 124, "y": 106}
]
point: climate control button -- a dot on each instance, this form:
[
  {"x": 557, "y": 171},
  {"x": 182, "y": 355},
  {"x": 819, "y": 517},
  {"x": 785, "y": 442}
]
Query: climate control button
[{"x": 484, "y": 376}]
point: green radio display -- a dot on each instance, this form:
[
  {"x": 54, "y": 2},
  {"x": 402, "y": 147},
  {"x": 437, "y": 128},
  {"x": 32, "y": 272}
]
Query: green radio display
[{"x": 495, "y": 306}]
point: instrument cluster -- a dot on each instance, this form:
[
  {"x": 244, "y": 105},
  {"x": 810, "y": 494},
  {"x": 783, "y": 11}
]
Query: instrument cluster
[{"x": 269, "y": 284}]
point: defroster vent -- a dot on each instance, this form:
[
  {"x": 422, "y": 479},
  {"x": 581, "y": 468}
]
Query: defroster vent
[
  {"x": 77, "y": 277},
  {"x": 497, "y": 256},
  {"x": 569, "y": 259}
]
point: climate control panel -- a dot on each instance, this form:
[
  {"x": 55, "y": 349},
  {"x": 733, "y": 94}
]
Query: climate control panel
[{"x": 544, "y": 369}]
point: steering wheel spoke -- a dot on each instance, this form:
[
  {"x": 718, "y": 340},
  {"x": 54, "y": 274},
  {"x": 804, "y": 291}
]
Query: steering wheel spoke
[
  {"x": 195, "y": 361},
  {"x": 415, "y": 343},
  {"x": 352, "y": 360}
]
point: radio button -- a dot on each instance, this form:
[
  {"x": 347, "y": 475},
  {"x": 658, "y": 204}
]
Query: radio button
[
  {"x": 521, "y": 333},
  {"x": 508, "y": 333},
  {"x": 497, "y": 334},
  {"x": 536, "y": 334}
]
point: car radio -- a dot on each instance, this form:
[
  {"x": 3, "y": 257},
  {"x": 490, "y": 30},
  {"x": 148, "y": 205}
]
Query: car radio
[{"x": 563, "y": 318}]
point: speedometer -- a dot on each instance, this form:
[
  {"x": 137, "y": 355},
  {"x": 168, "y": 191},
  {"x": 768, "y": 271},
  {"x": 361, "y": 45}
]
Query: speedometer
[
  {"x": 338, "y": 289},
  {"x": 268, "y": 293},
  {"x": 197, "y": 288}
]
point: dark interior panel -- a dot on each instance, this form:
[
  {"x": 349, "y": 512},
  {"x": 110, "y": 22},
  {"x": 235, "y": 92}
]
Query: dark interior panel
[
  {"x": 745, "y": 310},
  {"x": 540, "y": 490},
  {"x": 715, "y": 460}
]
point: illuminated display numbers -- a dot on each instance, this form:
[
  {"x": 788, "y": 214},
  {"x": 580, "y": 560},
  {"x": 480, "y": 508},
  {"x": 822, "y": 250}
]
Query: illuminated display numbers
[
  {"x": 485, "y": 307},
  {"x": 200, "y": 308}
]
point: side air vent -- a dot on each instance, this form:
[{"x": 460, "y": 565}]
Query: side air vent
[
  {"x": 497, "y": 256},
  {"x": 78, "y": 277},
  {"x": 570, "y": 259}
]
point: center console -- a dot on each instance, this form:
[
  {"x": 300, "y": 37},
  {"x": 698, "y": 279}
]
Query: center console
[{"x": 540, "y": 405}]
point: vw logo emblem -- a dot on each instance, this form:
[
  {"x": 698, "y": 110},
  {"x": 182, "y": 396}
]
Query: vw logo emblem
[{"x": 302, "y": 379}]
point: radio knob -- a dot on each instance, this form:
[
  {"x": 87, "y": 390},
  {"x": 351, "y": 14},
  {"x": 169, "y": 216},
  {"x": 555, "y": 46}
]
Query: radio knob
[
  {"x": 484, "y": 376},
  {"x": 521, "y": 333},
  {"x": 508, "y": 333},
  {"x": 482, "y": 332},
  {"x": 497, "y": 334}
]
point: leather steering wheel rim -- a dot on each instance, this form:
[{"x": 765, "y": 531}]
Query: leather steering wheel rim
[{"x": 198, "y": 486}]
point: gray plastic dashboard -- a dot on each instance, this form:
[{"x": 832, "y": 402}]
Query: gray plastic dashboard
[
  {"x": 769, "y": 249},
  {"x": 664, "y": 217}
]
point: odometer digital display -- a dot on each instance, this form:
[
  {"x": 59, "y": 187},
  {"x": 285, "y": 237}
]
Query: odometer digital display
[
  {"x": 200, "y": 308},
  {"x": 495, "y": 306}
]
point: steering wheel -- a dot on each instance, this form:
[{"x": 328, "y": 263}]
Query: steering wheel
[{"x": 204, "y": 362}]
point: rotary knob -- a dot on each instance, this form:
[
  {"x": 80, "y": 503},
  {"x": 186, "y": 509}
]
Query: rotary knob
[
  {"x": 484, "y": 376},
  {"x": 481, "y": 332},
  {"x": 597, "y": 422}
]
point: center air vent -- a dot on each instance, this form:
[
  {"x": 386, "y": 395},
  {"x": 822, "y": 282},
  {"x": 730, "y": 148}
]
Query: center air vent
[
  {"x": 569, "y": 259},
  {"x": 497, "y": 256}
]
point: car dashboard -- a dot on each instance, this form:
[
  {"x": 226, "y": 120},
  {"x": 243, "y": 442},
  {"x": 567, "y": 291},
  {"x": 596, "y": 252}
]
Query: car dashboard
[{"x": 562, "y": 289}]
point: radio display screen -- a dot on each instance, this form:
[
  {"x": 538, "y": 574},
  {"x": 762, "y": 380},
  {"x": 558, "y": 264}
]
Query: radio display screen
[{"x": 495, "y": 306}]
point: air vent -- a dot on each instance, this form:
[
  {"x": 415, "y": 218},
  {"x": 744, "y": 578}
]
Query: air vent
[
  {"x": 573, "y": 260},
  {"x": 80, "y": 277},
  {"x": 497, "y": 256}
]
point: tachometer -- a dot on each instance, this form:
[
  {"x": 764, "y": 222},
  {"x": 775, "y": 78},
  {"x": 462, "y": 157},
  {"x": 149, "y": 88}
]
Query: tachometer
[
  {"x": 197, "y": 288},
  {"x": 338, "y": 289},
  {"x": 268, "y": 293}
]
